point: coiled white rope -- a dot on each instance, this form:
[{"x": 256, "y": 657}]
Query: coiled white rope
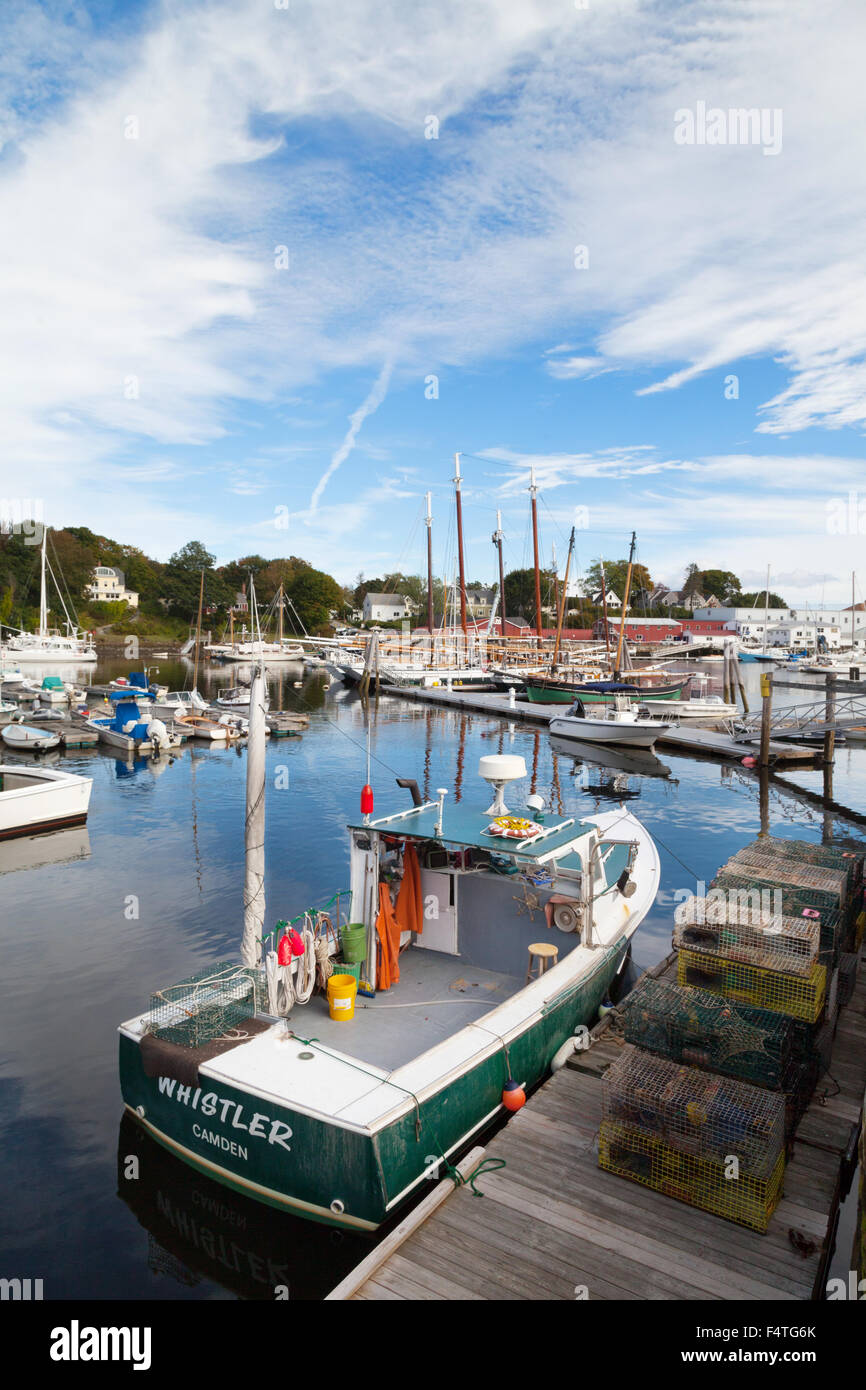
[{"x": 293, "y": 983}]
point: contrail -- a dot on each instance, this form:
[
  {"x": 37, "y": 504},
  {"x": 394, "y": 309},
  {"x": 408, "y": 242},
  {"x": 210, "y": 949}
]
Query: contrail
[{"x": 373, "y": 401}]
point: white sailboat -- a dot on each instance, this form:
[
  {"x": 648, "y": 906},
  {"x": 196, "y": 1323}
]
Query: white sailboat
[{"x": 48, "y": 644}]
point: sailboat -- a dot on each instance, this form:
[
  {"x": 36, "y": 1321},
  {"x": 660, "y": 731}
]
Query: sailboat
[
  {"x": 274, "y": 653},
  {"x": 48, "y": 644},
  {"x": 246, "y": 1074},
  {"x": 748, "y": 655}
]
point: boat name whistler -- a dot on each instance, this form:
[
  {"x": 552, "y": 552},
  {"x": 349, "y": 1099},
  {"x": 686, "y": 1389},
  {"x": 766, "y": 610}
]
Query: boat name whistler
[{"x": 259, "y": 1126}]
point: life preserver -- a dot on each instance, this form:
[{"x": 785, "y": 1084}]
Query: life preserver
[{"x": 513, "y": 828}]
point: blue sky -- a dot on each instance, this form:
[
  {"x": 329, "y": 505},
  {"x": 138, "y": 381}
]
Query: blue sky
[{"x": 232, "y": 259}]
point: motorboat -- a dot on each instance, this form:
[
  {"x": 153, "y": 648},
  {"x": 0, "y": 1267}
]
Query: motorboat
[
  {"x": 176, "y": 702},
  {"x": 237, "y": 697},
  {"x": 132, "y": 729},
  {"x": 621, "y": 723},
  {"x": 38, "y": 798}
]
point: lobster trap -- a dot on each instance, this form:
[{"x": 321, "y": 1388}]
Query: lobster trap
[
  {"x": 707, "y": 1140},
  {"x": 828, "y": 856},
  {"x": 798, "y": 996},
  {"x": 766, "y": 895},
  {"x": 750, "y": 1200},
  {"x": 208, "y": 1005},
  {"x": 723, "y": 924},
  {"x": 708, "y": 1031},
  {"x": 794, "y": 872}
]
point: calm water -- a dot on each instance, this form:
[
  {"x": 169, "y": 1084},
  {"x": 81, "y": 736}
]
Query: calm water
[{"x": 165, "y": 842}]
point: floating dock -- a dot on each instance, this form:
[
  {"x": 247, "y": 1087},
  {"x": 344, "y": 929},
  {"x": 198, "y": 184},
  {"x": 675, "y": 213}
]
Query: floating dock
[
  {"x": 551, "y": 1224},
  {"x": 707, "y": 741}
]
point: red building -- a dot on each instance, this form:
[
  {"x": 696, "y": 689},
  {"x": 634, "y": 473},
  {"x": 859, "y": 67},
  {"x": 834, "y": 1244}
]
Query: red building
[
  {"x": 642, "y": 629},
  {"x": 706, "y": 627}
]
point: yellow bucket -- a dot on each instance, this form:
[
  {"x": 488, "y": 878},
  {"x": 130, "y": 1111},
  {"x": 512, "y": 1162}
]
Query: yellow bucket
[{"x": 341, "y": 997}]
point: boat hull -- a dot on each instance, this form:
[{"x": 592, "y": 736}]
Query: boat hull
[
  {"x": 370, "y": 1173},
  {"x": 560, "y": 693},
  {"x": 48, "y": 802},
  {"x": 639, "y": 735}
]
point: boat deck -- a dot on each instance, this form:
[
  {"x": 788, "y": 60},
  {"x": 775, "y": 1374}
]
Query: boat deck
[{"x": 437, "y": 994}]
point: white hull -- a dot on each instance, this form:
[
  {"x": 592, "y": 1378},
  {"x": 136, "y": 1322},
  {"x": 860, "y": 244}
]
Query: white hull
[
  {"x": 39, "y": 799},
  {"x": 27, "y": 740},
  {"x": 41, "y": 655},
  {"x": 641, "y": 734}
]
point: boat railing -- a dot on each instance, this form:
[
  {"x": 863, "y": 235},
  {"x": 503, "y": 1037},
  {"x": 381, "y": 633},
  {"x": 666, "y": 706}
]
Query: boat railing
[{"x": 342, "y": 906}]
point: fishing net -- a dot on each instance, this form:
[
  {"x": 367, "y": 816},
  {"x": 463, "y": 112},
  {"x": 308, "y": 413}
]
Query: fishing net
[{"x": 208, "y": 1005}]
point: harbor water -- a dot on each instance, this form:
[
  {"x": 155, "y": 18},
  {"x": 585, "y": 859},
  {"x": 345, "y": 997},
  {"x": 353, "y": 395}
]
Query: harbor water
[{"x": 94, "y": 920}]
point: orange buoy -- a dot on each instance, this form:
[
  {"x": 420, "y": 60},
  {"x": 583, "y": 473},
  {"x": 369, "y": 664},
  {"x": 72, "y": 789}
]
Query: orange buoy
[{"x": 513, "y": 1095}]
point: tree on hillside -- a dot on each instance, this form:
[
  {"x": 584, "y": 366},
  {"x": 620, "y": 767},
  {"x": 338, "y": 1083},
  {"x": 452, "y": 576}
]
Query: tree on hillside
[
  {"x": 520, "y": 593},
  {"x": 723, "y": 583},
  {"x": 314, "y": 594},
  {"x": 192, "y": 556},
  {"x": 759, "y": 600},
  {"x": 692, "y": 582},
  {"x": 615, "y": 572}
]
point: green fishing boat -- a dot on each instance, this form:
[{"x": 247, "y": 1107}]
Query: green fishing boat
[
  {"x": 544, "y": 690},
  {"x": 343, "y": 1117}
]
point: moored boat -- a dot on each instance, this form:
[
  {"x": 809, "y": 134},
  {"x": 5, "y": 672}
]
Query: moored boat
[
  {"x": 342, "y": 1116},
  {"x": 34, "y": 799},
  {"x": 25, "y": 738},
  {"x": 623, "y": 724},
  {"x": 550, "y": 690}
]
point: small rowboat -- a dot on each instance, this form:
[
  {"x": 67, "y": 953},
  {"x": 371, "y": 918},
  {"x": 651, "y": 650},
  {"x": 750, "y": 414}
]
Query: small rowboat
[
  {"x": 201, "y": 726},
  {"x": 27, "y": 739}
]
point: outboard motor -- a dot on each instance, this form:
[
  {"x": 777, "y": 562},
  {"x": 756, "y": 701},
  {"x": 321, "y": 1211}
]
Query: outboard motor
[{"x": 159, "y": 734}]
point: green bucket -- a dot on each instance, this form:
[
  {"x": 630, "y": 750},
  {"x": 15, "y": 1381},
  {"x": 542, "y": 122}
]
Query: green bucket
[{"x": 353, "y": 938}]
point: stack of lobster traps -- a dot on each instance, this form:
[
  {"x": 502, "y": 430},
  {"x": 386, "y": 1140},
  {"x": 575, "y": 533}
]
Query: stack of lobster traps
[{"x": 720, "y": 1066}]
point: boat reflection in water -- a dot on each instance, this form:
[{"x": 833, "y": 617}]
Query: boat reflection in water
[
  {"x": 200, "y": 1230},
  {"x": 633, "y": 761},
  {"x": 37, "y": 851}
]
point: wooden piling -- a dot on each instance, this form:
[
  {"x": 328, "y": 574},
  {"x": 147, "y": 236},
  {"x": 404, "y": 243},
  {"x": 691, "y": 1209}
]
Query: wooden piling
[
  {"x": 830, "y": 715},
  {"x": 766, "y": 710}
]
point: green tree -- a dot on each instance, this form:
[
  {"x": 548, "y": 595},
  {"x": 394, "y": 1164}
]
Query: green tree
[
  {"x": 520, "y": 593},
  {"x": 724, "y": 584},
  {"x": 759, "y": 600},
  {"x": 692, "y": 581},
  {"x": 192, "y": 556},
  {"x": 615, "y": 573},
  {"x": 314, "y": 594}
]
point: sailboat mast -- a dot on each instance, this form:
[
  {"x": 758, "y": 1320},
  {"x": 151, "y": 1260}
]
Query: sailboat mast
[
  {"x": 497, "y": 541},
  {"x": 198, "y": 632},
  {"x": 281, "y": 615},
  {"x": 430, "y": 571},
  {"x": 533, "y": 493},
  {"x": 604, "y": 612},
  {"x": 457, "y": 483},
  {"x": 625, "y": 605},
  {"x": 562, "y": 599},
  {"x": 43, "y": 593},
  {"x": 767, "y": 609}
]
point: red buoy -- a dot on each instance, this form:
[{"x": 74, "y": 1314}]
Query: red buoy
[
  {"x": 366, "y": 800},
  {"x": 284, "y": 951},
  {"x": 513, "y": 1095},
  {"x": 296, "y": 943}
]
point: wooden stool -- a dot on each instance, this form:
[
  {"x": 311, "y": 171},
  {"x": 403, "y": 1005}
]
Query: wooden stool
[{"x": 541, "y": 954}]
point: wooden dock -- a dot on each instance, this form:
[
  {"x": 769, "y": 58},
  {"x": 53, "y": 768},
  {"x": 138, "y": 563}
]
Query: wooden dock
[
  {"x": 552, "y": 1225},
  {"x": 687, "y": 737}
]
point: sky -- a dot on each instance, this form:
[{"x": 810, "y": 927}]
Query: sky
[{"x": 266, "y": 265}]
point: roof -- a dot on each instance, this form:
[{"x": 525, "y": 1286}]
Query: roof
[
  {"x": 385, "y": 598},
  {"x": 462, "y": 825}
]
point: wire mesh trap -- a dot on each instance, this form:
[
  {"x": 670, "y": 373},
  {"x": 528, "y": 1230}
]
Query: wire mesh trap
[
  {"x": 726, "y": 924},
  {"x": 798, "y": 874},
  {"x": 828, "y": 856},
  {"x": 790, "y": 901},
  {"x": 207, "y": 1005},
  {"x": 708, "y": 1031},
  {"x": 798, "y": 996}
]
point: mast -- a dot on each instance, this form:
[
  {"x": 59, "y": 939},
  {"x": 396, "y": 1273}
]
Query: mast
[
  {"x": 562, "y": 600},
  {"x": 497, "y": 541},
  {"x": 457, "y": 482},
  {"x": 604, "y": 612},
  {"x": 625, "y": 604},
  {"x": 430, "y": 572},
  {"x": 43, "y": 593},
  {"x": 533, "y": 492},
  {"x": 254, "y": 828},
  {"x": 198, "y": 633},
  {"x": 767, "y": 610}
]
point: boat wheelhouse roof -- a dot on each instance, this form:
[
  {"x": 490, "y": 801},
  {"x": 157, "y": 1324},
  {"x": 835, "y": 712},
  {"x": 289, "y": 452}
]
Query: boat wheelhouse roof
[{"x": 466, "y": 827}]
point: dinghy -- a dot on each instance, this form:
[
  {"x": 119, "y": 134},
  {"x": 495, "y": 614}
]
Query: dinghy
[
  {"x": 203, "y": 726},
  {"x": 26, "y": 739},
  {"x": 35, "y": 799}
]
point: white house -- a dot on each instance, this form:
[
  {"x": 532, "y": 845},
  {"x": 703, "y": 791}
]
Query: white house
[
  {"x": 798, "y": 633},
  {"x": 386, "y": 608},
  {"x": 108, "y": 586}
]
